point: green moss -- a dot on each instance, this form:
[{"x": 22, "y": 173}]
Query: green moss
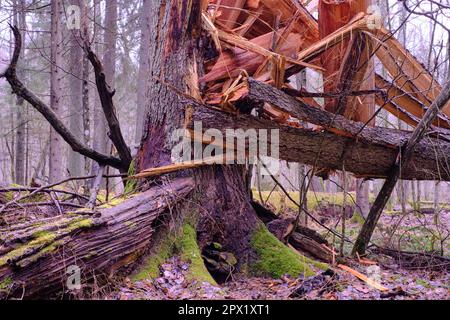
[
  {"x": 45, "y": 240},
  {"x": 5, "y": 284},
  {"x": 113, "y": 203},
  {"x": 160, "y": 253},
  {"x": 130, "y": 224},
  {"x": 131, "y": 183},
  {"x": 424, "y": 283},
  {"x": 11, "y": 195},
  {"x": 41, "y": 239},
  {"x": 217, "y": 246},
  {"x": 82, "y": 223},
  {"x": 275, "y": 259},
  {"x": 182, "y": 243},
  {"x": 188, "y": 248}
]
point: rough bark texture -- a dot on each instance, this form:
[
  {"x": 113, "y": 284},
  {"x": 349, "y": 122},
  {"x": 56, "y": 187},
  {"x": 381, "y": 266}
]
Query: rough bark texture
[
  {"x": 175, "y": 58},
  {"x": 35, "y": 256}
]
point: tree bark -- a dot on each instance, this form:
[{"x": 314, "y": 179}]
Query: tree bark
[
  {"x": 56, "y": 89},
  {"x": 368, "y": 152},
  {"x": 176, "y": 58},
  {"x": 75, "y": 160}
]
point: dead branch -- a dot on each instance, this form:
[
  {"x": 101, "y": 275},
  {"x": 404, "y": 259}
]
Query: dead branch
[
  {"x": 106, "y": 98},
  {"x": 41, "y": 189},
  {"x": 20, "y": 90}
]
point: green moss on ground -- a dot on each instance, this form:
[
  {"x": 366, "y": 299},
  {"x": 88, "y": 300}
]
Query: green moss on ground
[
  {"x": 11, "y": 195},
  {"x": 189, "y": 251},
  {"x": 182, "y": 243},
  {"x": 275, "y": 259},
  {"x": 357, "y": 218},
  {"x": 160, "y": 253}
]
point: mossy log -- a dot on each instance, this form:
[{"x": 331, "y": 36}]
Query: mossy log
[
  {"x": 302, "y": 239},
  {"x": 34, "y": 256}
]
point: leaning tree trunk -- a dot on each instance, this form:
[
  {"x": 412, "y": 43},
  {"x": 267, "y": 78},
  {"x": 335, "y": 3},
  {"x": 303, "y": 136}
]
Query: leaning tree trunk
[{"x": 36, "y": 256}]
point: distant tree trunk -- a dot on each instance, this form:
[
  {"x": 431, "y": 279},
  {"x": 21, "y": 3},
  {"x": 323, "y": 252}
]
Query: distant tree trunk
[
  {"x": 85, "y": 85},
  {"x": 20, "y": 139},
  {"x": 362, "y": 197},
  {"x": 77, "y": 57},
  {"x": 144, "y": 68},
  {"x": 56, "y": 88},
  {"x": 402, "y": 185},
  {"x": 436, "y": 197}
]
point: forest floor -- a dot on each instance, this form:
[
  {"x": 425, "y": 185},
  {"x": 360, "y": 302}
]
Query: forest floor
[
  {"x": 172, "y": 285},
  {"x": 411, "y": 232}
]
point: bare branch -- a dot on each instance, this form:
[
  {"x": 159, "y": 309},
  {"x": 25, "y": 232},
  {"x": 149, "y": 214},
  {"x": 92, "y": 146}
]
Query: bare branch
[
  {"x": 106, "y": 98},
  {"x": 20, "y": 90}
]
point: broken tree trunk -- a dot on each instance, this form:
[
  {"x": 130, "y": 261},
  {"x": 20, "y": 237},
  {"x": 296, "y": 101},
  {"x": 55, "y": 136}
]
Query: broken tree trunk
[
  {"x": 368, "y": 152},
  {"x": 404, "y": 158},
  {"x": 221, "y": 205},
  {"x": 34, "y": 256}
]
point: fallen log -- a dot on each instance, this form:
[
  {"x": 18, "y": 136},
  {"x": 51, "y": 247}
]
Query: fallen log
[
  {"x": 34, "y": 256},
  {"x": 367, "y": 151},
  {"x": 303, "y": 239},
  {"x": 305, "y": 244}
]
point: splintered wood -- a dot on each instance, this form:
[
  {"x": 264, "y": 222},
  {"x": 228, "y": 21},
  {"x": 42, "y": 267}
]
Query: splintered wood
[
  {"x": 273, "y": 40},
  {"x": 270, "y": 41}
]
